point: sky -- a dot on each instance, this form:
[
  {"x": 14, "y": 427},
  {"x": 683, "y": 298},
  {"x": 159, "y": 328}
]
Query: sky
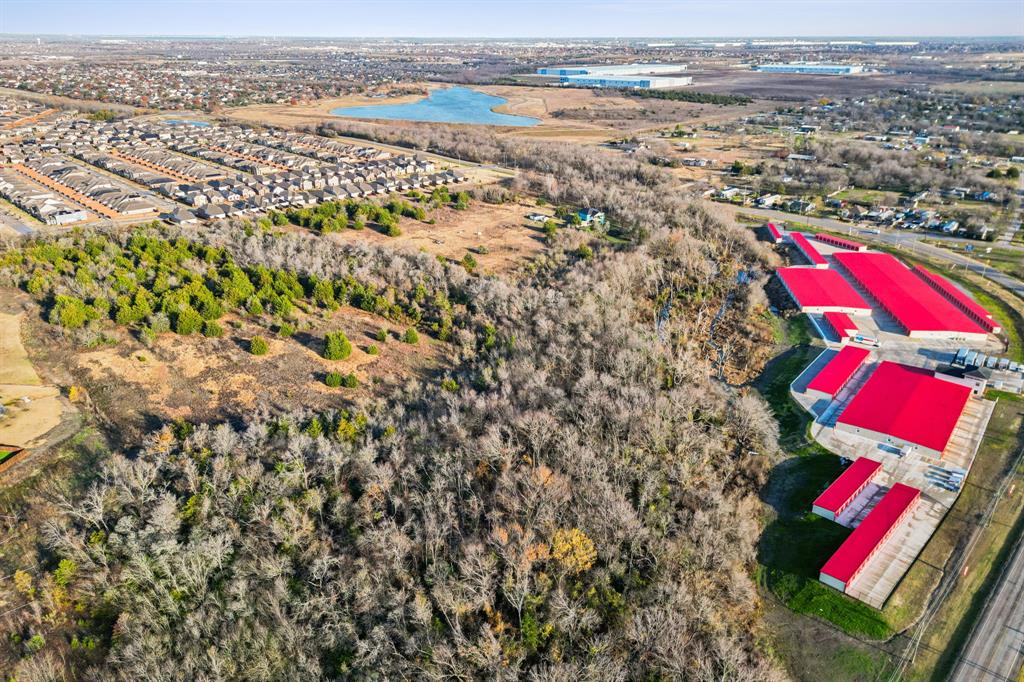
[{"x": 515, "y": 18}]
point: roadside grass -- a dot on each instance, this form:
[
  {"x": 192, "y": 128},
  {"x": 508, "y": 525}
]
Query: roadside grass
[
  {"x": 853, "y": 664},
  {"x": 952, "y": 625},
  {"x": 1006, "y": 313},
  {"x": 1009, "y": 261},
  {"x": 868, "y": 196}
]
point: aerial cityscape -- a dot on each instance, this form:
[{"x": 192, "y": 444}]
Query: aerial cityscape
[{"x": 575, "y": 340}]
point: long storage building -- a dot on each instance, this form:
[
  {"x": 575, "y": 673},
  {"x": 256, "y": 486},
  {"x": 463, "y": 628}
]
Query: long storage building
[
  {"x": 845, "y": 489},
  {"x": 822, "y": 291},
  {"x": 958, "y": 298},
  {"x": 840, "y": 242},
  {"x": 841, "y": 325},
  {"x": 866, "y": 539},
  {"x": 807, "y": 250},
  {"x": 836, "y": 374},
  {"x": 920, "y": 310}
]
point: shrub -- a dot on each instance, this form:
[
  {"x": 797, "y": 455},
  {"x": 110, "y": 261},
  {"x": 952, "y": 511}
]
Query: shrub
[
  {"x": 469, "y": 262},
  {"x": 450, "y": 385},
  {"x": 159, "y": 323},
  {"x": 285, "y": 330},
  {"x": 66, "y": 570},
  {"x": 392, "y": 230},
  {"x": 258, "y": 346},
  {"x": 411, "y": 335},
  {"x": 212, "y": 330},
  {"x": 372, "y": 350},
  {"x": 147, "y": 337},
  {"x": 333, "y": 379},
  {"x": 337, "y": 346},
  {"x": 35, "y": 644},
  {"x": 69, "y": 312},
  {"x": 188, "y": 322},
  {"x": 382, "y": 335},
  {"x": 350, "y": 381}
]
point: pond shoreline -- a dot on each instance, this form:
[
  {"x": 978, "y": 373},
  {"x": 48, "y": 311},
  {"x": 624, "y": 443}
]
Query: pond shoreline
[{"x": 455, "y": 105}]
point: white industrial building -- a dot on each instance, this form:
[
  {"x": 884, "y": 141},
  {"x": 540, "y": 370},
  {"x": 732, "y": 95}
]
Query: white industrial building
[
  {"x": 642, "y": 76},
  {"x": 811, "y": 68}
]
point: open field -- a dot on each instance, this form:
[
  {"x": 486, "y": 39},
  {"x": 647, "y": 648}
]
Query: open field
[
  {"x": 984, "y": 87},
  {"x": 198, "y": 378},
  {"x": 567, "y": 114},
  {"x": 15, "y": 367},
  {"x": 498, "y": 235},
  {"x": 32, "y": 409}
]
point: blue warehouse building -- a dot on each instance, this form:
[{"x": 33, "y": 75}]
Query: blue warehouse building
[{"x": 807, "y": 68}]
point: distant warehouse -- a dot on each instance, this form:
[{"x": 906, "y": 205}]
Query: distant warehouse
[
  {"x": 641, "y": 82},
  {"x": 811, "y": 68},
  {"x": 640, "y": 76}
]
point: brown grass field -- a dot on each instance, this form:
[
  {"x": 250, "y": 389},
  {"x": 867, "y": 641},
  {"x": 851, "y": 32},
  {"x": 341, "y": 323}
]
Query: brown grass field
[
  {"x": 508, "y": 238},
  {"x": 614, "y": 115},
  {"x": 33, "y": 409},
  {"x": 198, "y": 378}
]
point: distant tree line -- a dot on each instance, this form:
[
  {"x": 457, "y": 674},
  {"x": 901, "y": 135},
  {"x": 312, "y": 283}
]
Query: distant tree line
[{"x": 691, "y": 96}]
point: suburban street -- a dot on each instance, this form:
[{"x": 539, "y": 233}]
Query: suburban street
[
  {"x": 996, "y": 648},
  {"x": 908, "y": 240}
]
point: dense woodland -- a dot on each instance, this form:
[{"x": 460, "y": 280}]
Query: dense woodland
[{"x": 578, "y": 500}]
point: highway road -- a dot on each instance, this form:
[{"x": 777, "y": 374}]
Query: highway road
[
  {"x": 901, "y": 239},
  {"x": 995, "y": 650}
]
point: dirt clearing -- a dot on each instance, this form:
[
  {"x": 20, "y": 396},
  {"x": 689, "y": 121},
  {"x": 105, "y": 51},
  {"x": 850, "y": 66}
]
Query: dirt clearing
[
  {"x": 202, "y": 379},
  {"x": 31, "y": 410},
  {"x": 15, "y": 367},
  {"x": 499, "y": 235}
]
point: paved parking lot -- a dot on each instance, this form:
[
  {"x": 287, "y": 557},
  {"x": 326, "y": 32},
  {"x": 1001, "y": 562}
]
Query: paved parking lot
[{"x": 931, "y": 475}]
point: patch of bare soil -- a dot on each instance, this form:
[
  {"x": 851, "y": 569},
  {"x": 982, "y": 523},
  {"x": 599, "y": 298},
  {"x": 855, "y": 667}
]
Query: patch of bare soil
[
  {"x": 212, "y": 379},
  {"x": 499, "y": 236}
]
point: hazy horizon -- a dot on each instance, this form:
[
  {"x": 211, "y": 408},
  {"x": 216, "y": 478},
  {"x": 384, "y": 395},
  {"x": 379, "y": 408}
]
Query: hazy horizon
[{"x": 525, "y": 19}]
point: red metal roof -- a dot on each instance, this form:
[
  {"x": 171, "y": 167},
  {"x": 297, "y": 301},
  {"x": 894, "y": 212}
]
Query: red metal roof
[
  {"x": 774, "y": 231},
  {"x": 849, "y": 483},
  {"x": 840, "y": 242},
  {"x": 905, "y": 296},
  {"x": 841, "y": 323},
  {"x": 857, "y": 549},
  {"x": 810, "y": 253},
  {"x": 834, "y": 375},
  {"x": 950, "y": 291},
  {"x": 908, "y": 403},
  {"x": 815, "y": 288}
]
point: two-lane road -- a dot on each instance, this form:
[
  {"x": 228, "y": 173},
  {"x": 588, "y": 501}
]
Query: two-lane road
[
  {"x": 995, "y": 651},
  {"x": 903, "y": 239}
]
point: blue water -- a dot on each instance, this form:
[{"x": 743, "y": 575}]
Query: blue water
[
  {"x": 448, "y": 105},
  {"x": 182, "y": 122}
]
